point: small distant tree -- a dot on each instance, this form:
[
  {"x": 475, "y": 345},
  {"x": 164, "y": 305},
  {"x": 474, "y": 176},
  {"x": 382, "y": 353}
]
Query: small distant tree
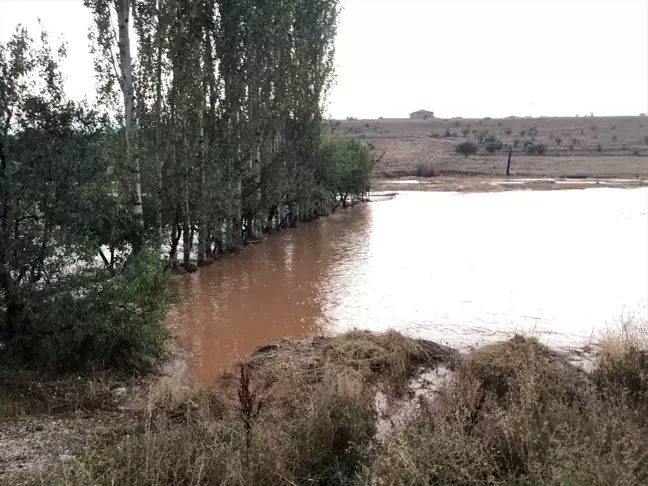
[
  {"x": 613, "y": 127},
  {"x": 599, "y": 148},
  {"x": 614, "y": 138},
  {"x": 593, "y": 128},
  {"x": 516, "y": 142},
  {"x": 522, "y": 133},
  {"x": 558, "y": 140},
  {"x": 465, "y": 132},
  {"x": 535, "y": 148},
  {"x": 466, "y": 148},
  {"x": 551, "y": 136},
  {"x": 636, "y": 152},
  {"x": 492, "y": 144},
  {"x": 574, "y": 141},
  {"x": 508, "y": 131}
]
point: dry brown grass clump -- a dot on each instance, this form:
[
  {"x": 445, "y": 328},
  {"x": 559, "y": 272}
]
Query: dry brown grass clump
[
  {"x": 517, "y": 413},
  {"x": 297, "y": 412},
  {"x": 510, "y": 413},
  {"x": 623, "y": 359}
]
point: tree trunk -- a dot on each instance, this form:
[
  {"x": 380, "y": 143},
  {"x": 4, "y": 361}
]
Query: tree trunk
[
  {"x": 132, "y": 162},
  {"x": 158, "y": 126}
]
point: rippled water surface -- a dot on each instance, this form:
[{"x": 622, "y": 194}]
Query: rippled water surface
[{"x": 462, "y": 268}]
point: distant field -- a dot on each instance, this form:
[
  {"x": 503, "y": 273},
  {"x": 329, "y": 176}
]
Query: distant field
[{"x": 611, "y": 147}]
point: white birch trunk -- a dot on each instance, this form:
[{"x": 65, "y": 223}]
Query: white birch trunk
[{"x": 126, "y": 66}]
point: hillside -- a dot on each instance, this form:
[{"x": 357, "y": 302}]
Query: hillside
[{"x": 580, "y": 147}]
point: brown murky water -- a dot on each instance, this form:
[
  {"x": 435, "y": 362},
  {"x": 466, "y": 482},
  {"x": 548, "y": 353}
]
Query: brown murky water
[{"x": 458, "y": 268}]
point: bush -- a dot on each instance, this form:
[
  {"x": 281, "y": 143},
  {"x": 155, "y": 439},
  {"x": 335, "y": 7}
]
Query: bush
[
  {"x": 599, "y": 148},
  {"x": 466, "y": 148},
  {"x": 636, "y": 152},
  {"x": 97, "y": 317},
  {"x": 508, "y": 131},
  {"x": 551, "y": 136},
  {"x": 492, "y": 144},
  {"x": 426, "y": 170},
  {"x": 465, "y": 132},
  {"x": 535, "y": 148},
  {"x": 516, "y": 142},
  {"x": 558, "y": 140},
  {"x": 646, "y": 139},
  {"x": 522, "y": 133}
]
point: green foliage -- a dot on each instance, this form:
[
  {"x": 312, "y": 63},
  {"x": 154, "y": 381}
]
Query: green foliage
[
  {"x": 72, "y": 290},
  {"x": 466, "y": 148},
  {"x": 344, "y": 167}
]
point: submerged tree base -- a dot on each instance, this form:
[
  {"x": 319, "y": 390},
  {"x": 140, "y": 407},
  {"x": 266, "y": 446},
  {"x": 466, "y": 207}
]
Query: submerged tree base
[{"x": 305, "y": 412}]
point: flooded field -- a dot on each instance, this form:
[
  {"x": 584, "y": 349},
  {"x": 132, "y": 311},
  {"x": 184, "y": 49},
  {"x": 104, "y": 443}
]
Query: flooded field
[{"x": 457, "y": 268}]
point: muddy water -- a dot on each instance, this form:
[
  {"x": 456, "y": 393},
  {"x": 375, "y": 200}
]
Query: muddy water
[{"x": 460, "y": 268}]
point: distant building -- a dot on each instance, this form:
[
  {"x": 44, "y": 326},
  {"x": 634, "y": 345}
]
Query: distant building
[{"x": 422, "y": 114}]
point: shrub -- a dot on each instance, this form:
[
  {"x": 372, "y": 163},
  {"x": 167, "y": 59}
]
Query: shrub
[
  {"x": 508, "y": 131},
  {"x": 465, "y": 132},
  {"x": 97, "y": 317},
  {"x": 599, "y": 148},
  {"x": 613, "y": 127},
  {"x": 614, "y": 138},
  {"x": 426, "y": 170},
  {"x": 646, "y": 139},
  {"x": 466, "y": 148},
  {"x": 574, "y": 141},
  {"x": 551, "y": 136},
  {"x": 535, "y": 148},
  {"x": 492, "y": 144},
  {"x": 636, "y": 152},
  {"x": 558, "y": 140},
  {"x": 516, "y": 142},
  {"x": 522, "y": 133},
  {"x": 593, "y": 128}
]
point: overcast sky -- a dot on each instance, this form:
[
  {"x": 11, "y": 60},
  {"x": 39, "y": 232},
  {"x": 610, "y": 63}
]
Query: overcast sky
[{"x": 454, "y": 57}]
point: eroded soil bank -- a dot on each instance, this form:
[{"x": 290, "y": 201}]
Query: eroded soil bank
[
  {"x": 500, "y": 184},
  {"x": 355, "y": 408}
]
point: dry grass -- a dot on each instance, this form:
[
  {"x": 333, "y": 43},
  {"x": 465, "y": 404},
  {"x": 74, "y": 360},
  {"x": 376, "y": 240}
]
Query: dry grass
[
  {"x": 407, "y": 145},
  {"x": 510, "y": 413},
  {"x": 516, "y": 413}
]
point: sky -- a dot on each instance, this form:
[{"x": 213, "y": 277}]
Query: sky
[{"x": 470, "y": 58}]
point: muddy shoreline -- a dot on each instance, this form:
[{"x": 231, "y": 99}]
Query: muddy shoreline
[{"x": 480, "y": 184}]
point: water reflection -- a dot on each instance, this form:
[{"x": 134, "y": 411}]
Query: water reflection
[{"x": 460, "y": 268}]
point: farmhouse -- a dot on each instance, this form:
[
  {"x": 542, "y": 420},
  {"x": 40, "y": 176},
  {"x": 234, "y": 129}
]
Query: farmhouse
[{"x": 422, "y": 114}]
